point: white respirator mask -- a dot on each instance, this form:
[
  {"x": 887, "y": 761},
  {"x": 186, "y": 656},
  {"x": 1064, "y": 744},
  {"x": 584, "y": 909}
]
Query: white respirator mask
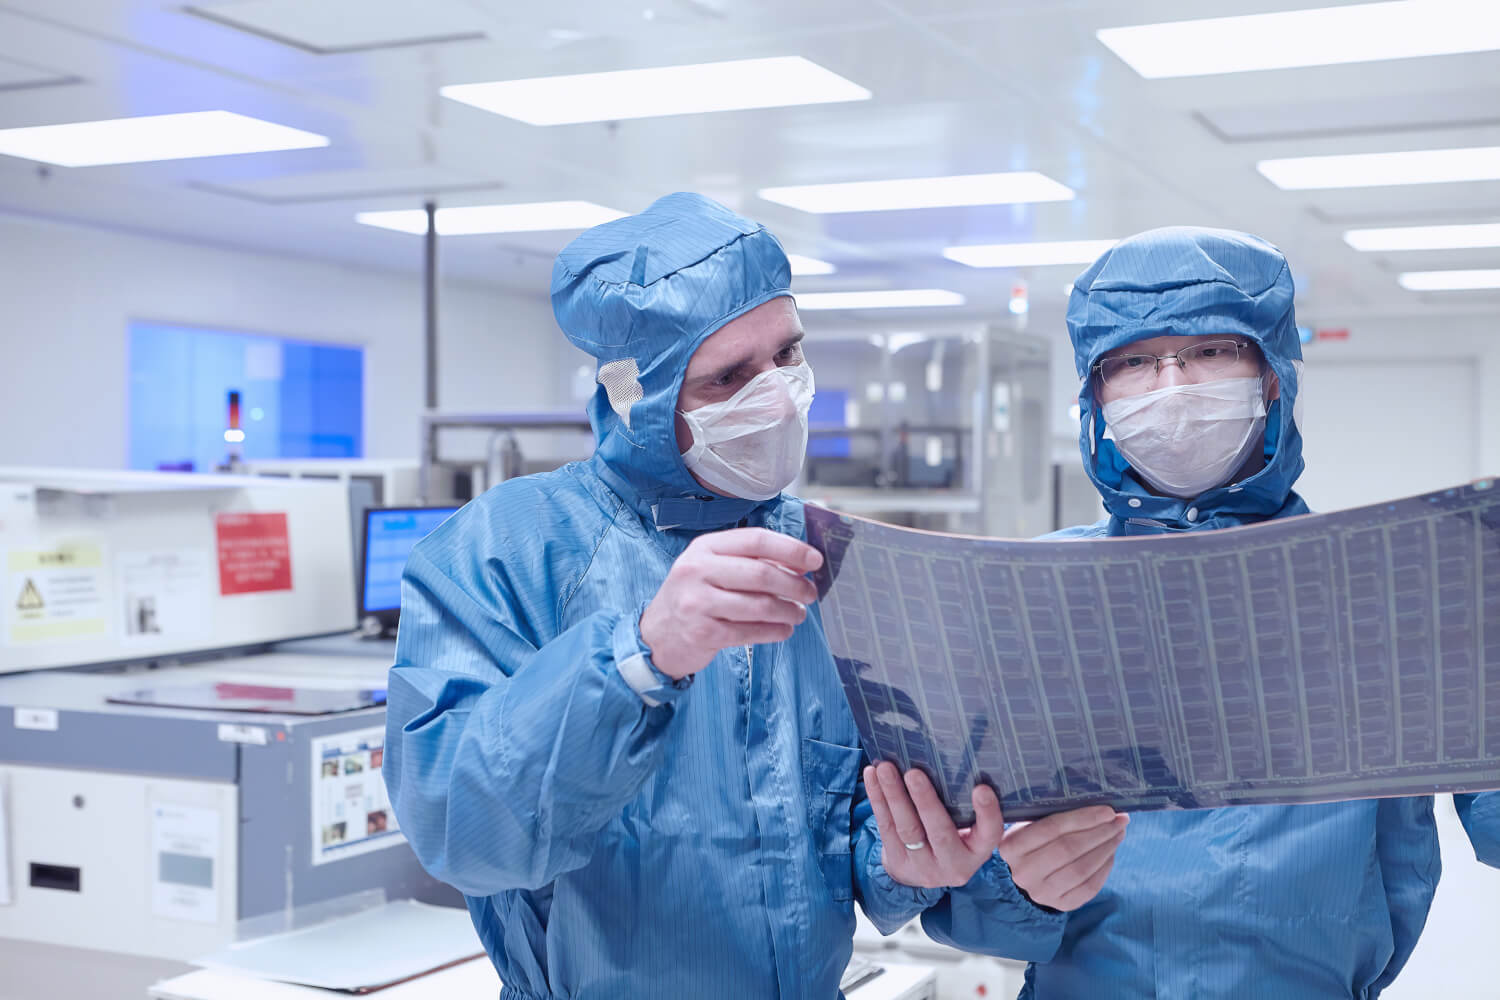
[
  {"x": 1186, "y": 439},
  {"x": 752, "y": 444}
]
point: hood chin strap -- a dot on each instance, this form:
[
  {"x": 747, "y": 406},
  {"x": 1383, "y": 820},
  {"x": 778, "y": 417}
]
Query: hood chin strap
[
  {"x": 687, "y": 510},
  {"x": 693, "y": 514}
]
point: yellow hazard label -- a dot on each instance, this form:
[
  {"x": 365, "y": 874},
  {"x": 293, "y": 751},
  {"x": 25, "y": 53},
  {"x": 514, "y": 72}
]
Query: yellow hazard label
[
  {"x": 59, "y": 592},
  {"x": 31, "y": 598}
]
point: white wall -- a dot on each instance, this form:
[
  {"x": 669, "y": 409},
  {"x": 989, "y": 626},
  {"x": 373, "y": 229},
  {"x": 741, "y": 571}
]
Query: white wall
[
  {"x": 1406, "y": 405},
  {"x": 68, "y": 293},
  {"x": 1379, "y": 430}
]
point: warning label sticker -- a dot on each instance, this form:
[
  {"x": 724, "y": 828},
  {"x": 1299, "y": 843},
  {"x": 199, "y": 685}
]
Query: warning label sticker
[
  {"x": 31, "y": 598},
  {"x": 56, "y": 593},
  {"x": 255, "y": 554},
  {"x": 166, "y": 592}
]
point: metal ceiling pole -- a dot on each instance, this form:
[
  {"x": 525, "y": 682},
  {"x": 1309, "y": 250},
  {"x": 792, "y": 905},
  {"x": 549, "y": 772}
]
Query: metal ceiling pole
[{"x": 430, "y": 303}]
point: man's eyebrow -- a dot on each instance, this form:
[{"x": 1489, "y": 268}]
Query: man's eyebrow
[{"x": 729, "y": 368}]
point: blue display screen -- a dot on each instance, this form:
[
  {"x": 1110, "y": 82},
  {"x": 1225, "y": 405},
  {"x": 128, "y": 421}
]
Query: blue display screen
[
  {"x": 390, "y": 535},
  {"x": 298, "y": 399}
]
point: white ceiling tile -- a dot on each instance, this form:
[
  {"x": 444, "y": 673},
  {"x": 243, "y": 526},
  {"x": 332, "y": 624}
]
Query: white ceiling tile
[
  {"x": 346, "y": 25},
  {"x": 338, "y": 185},
  {"x": 1429, "y": 204},
  {"x": 16, "y": 75},
  {"x": 1382, "y": 113},
  {"x": 960, "y": 86}
]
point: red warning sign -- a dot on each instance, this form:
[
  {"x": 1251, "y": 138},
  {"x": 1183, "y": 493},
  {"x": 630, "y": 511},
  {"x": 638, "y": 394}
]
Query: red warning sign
[{"x": 254, "y": 553}]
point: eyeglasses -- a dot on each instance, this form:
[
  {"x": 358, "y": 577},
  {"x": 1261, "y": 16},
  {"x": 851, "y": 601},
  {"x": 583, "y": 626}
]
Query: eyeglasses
[{"x": 1202, "y": 361}]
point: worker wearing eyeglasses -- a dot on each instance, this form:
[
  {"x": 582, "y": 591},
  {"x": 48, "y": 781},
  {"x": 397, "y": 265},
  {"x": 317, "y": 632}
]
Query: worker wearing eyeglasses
[
  {"x": 1186, "y": 412},
  {"x": 1191, "y": 366}
]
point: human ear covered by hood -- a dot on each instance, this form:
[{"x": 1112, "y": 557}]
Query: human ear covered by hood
[
  {"x": 1191, "y": 281},
  {"x": 640, "y": 295}
]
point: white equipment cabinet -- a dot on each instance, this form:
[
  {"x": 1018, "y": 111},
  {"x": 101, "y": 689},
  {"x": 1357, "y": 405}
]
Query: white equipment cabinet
[{"x": 137, "y": 814}]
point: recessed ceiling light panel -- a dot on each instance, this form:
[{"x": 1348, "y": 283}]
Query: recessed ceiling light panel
[
  {"x": 1355, "y": 170},
  {"x": 803, "y": 267},
  {"x": 896, "y": 298},
  {"x": 155, "y": 137},
  {"x": 1450, "y": 281},
  {"x": 667, "y": 90},
  {"x": 1321, "y": 36},
  {"x": 1465, "y": 237},
  {"x": 1029, "y": 254},
  {"x": 1019, "y": 187},
  {"x": 476, "y": 220}
]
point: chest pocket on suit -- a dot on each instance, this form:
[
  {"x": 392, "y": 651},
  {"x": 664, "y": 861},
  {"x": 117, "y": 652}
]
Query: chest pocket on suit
[
  {"x": 1308, "y": 863},
  {"x": 830, "y": 773}
]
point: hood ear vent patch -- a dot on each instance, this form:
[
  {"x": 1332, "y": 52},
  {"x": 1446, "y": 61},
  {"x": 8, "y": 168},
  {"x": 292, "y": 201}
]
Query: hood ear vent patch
[{"x": 622, "y": 384}]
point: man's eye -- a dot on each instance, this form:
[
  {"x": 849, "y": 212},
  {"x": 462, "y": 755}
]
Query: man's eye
[
  {"x": 791, "y": 353},
  {"x": 1132, "y": 361},
  {"x": 1210, "y": 352}
]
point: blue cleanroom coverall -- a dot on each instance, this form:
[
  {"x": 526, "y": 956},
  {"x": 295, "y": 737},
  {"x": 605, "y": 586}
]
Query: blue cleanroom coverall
[
  {"x": 617, "y": 835},
  {"x": 1284, "y": 902}
]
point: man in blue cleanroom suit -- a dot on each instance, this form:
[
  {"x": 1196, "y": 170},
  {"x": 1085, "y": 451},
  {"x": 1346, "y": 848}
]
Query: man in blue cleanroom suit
[
  {"x": 611, "y": 724},
  {"x": 1290, "y": 902}
]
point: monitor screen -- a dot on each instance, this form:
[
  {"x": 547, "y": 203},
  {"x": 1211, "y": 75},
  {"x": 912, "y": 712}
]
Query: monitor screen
[{"x": 390, "y": 535}]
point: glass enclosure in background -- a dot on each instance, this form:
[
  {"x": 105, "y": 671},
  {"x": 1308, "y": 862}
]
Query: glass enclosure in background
[
  {"x": 943, "y": 428},
  {"x": 296, "y": 399}
]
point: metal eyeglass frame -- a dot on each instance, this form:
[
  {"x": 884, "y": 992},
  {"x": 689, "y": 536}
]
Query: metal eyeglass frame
[{"x": 1239, "y": 345}]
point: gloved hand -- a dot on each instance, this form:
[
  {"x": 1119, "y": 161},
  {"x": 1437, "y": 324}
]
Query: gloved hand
[{"x": 730, "y": 588}]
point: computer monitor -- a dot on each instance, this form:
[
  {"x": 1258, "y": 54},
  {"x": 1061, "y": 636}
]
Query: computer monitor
[{"x": 390, "y": 533}]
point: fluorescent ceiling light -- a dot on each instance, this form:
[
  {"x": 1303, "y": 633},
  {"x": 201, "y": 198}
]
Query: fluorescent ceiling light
[
  {"x": 667, "y": 90},
  {"x": 474, "y": 220},
  {"x": 807, "y": 266},
  {"x": 1421, "y": 166},
  {"x": 1321, "y": 36},
  {"x": 898, "y": 341},
  {"x": 1029, "y": 254},
  {"x": 903, "y": 298},
  {"x": 1468, "y": 237},
  {"x": 156, "y": 137},
  {"x": 921, "y": 192},
  {"x": 1449, "y": 281}
]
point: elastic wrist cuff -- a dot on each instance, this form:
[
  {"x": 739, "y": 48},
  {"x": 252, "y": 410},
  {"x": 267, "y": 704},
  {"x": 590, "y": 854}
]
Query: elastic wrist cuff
[{"x": 633, "y": 660}]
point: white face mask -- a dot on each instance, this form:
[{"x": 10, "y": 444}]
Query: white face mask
[
  {"x": 1186, "y": 439},
  {"x": 752, "y": 444}
]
